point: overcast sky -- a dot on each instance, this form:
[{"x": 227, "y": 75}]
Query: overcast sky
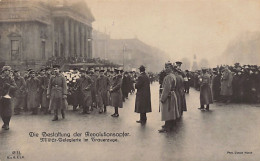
[{"x": 181, "y": 28}]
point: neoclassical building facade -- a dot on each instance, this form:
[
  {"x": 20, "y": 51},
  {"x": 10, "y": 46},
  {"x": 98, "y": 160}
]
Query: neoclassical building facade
[{"x": 37, "y": 30}]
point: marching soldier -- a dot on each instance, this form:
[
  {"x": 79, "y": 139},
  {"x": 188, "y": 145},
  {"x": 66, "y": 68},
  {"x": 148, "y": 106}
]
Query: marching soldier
[
  {"x": 6, "y": 84},
  {"x": 103, "y": 86},
  {"x": 84, "y": 85},
  {"x": 33, "y": 88},
  {"x": 57, "y": 92},
  {"x": 19, "y": 92}
]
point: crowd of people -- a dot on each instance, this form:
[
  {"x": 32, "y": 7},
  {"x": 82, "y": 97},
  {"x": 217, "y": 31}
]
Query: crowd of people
[
  {"x": 237, "y": 83},
  {"x": 56, "y": 60},
  {"x": 51, "y": 90}
]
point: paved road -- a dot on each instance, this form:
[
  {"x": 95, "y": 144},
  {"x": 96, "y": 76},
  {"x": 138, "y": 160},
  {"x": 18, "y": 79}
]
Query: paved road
[{"x": 198, "y": 136}]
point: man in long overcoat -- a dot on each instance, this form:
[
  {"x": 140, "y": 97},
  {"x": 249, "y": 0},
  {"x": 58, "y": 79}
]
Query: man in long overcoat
[
  {"x": 6, "y": 84},
  {"x": 45, "y": 82},
  {"x": 103, "y": 86},
  {"x": 116, "y": 93},
  {"x": 57, "y": 92},
  {"x": 19, "y": 92},
  {"x": 94, "y": 77},
  {"x": 180, "y": 90},
  {"x": 33, "y": 88},
  {"x": 126, "y": 82},
  {"x": 85, "y": 83},
  {"x": 226, "y": 84},
  {"x": 205, "y": 90},
  {"x": 143, "y": 95},
  {"x": 168, "y": 100}
]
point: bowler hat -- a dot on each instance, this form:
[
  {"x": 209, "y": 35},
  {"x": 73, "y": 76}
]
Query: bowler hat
[{"x": 142, "y": 68}]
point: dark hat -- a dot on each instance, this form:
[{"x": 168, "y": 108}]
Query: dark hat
[
  {"x": 102, "y": 70},
  {"x": 47, "y": 68},
  {"x": 75, "y": 69},
  {"x": 56, "y": 66},
  {"x": 203, "y": 68},
  {"x": 126, "y": 72},
  {"x": 178, "y": 63},
  {"x": 82, "y": 70},
  {"x": 168, "y": 64},
  {"x": 16, "y": 70},
  {"x": 32, "y": 72},
  {"x": 142, "y": 68},
  {"x": 29, "y": 69},
  {"x": 43, "y": 69}
]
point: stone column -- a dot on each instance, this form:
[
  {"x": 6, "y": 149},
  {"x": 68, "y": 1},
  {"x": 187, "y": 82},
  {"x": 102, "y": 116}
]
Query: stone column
[
  {"x": 90, "y": 42},
  {"x": 86, "y": 42},
  {"x": 66, "y": 37},
  {"x": 82, "y": 36},
  {"x": 72, "y": 49},
  {"x": 77, "y": 40}
]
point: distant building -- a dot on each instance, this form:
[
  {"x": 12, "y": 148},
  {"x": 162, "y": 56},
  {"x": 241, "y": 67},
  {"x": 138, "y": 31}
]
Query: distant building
[
  {"x": 131, "y": 53},
  {"x": 37, "y": 30}
]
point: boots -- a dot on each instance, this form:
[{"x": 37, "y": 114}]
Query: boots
[
  {"x": 201, "y": 107},
  {"x": 55, "y": 115},
  {"x": 207, "y": 108},
  {"x": 63, "y": 114},
  {"x": 105, "y": 109}
]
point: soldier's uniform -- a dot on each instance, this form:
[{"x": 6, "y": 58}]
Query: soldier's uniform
[
  {"x": 94, "y": 77},
  {"x": 85, "y": 83},
  {"x": 168, "y": 100},
  {"x": 205, "y": 91},
  {"x": 45, "y": 101},
  {"x": 57, "y": 91},
  {"x": 103, "y": 85},
  {"x": 116, "y": 93},
  {"x": 6, "y": 84},
  {"x": 19, "y": 93},
  {"x": 33, "y": 86}
]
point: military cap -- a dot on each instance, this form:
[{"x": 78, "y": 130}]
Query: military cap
[
  {"x": 56, "y": 66},
  {"x": 42, "y": 69},
  {"x": 178, "y": 63},
  {"x": 82, "y": 70},
  {"x": 47, "y": 68},
  {"x": 32, "y": 72},
  {"x": 16, "y": 70},
  {"x": 102, "y": 70},
  {"x": 168, "y": 64}
]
